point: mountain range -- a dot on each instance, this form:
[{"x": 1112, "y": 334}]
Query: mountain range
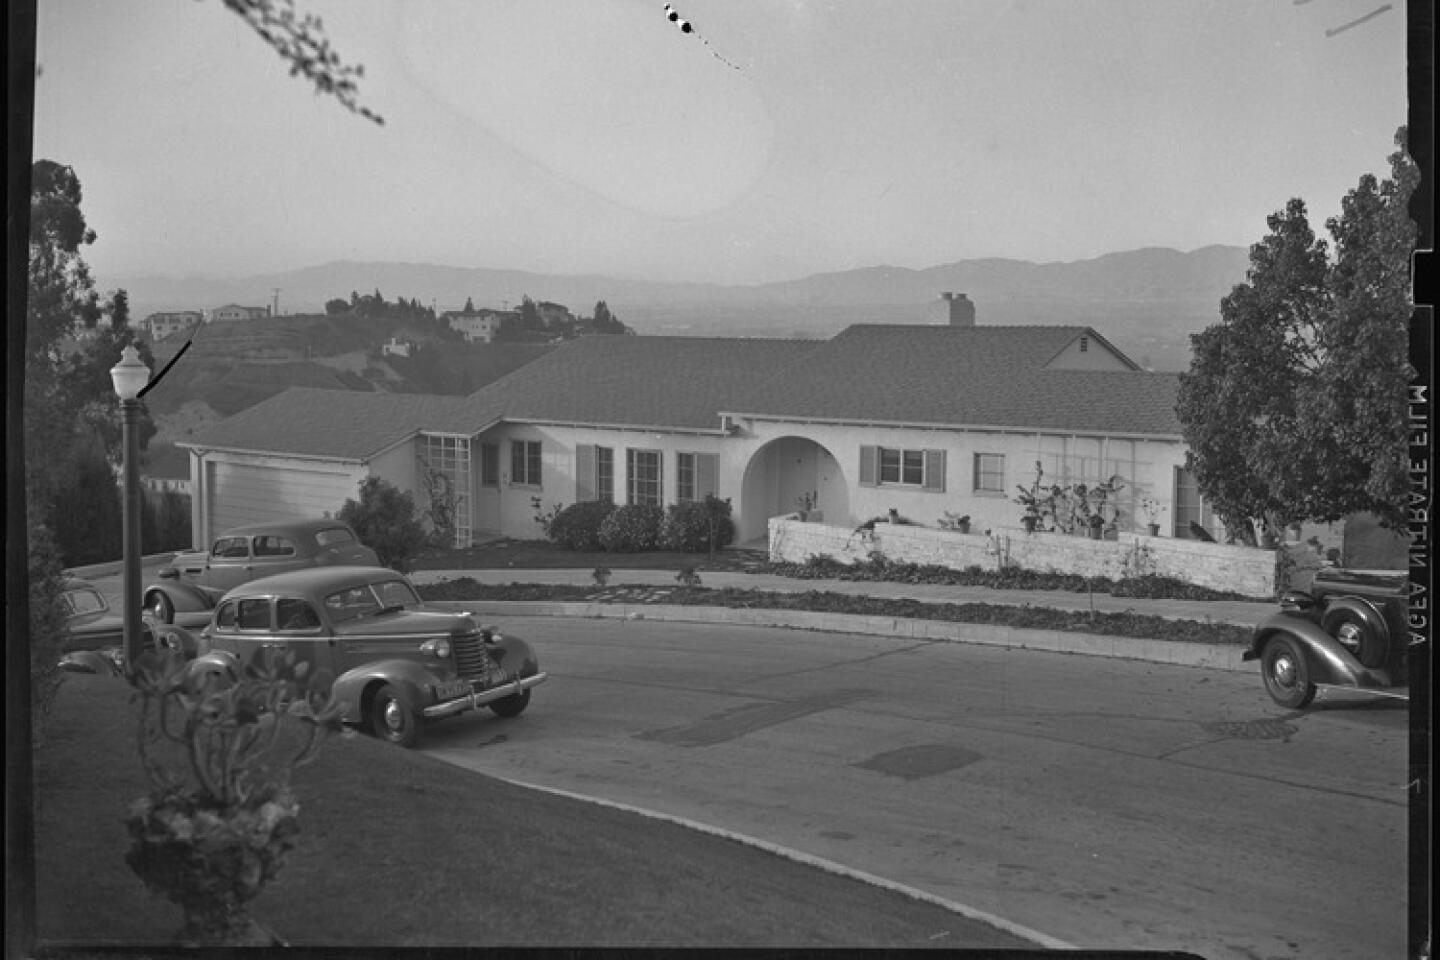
[{"x": 1146, "y": 301}]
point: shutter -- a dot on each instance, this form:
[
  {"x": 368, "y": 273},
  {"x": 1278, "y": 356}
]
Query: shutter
[
  {"x": 935, "y": 470},
  {"x": 584, "y": 472},
  {"x": 869, "y": 465},
  {"x": 707, "y": 475}
]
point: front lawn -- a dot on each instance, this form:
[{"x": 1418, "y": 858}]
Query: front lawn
[{"x": 399, "y": 849}]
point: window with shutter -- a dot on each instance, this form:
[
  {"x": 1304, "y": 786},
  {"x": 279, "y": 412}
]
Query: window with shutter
[
  {"x": 869, "y": 461},
  {"x": 934, "y": 471},
  {"x": 584, "y": 472}
]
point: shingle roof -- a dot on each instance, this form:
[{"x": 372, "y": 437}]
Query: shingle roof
[
  {"x": 675, "y": 382},
  {"x": 902, "y": 374},
  {"x": 964, "y": 376},
  {"x": 311, "y": 421}
]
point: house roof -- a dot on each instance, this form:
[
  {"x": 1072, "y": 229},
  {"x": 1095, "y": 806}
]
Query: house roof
[
  {"x": 334, "y": 424},
  {"x": 662, "y": 382},
  {"x": 964, "y": 376},
  {"x": 927, "y": 375}
]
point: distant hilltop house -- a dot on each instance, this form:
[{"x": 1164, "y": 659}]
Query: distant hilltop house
[
  {"x": 922, "y": 419},
  {"x": 162, "y": 325},
  {"x": 473, "y": 324},
  {"x": 232, "y": 312},
  {"x": 395, "y": 347}
]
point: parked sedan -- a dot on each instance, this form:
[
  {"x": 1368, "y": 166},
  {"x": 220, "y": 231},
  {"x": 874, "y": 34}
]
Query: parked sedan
[
  {"x": 194, "y": 581},
  {"x": 95, "y": 634},
  {"x": 397, "y": 662}
]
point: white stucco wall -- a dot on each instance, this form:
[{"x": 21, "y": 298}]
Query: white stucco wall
[{"x": 1245, "y": 570}]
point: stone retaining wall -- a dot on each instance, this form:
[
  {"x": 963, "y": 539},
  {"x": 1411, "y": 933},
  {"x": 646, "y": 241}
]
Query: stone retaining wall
[{"x": 1244, "y": 570}]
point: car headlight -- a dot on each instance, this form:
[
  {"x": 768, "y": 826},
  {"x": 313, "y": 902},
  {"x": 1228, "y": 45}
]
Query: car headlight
[{"x": 440, "y": 648}]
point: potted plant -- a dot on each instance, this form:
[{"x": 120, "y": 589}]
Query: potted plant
[
  {"x": 1097, "y": 526},
  {"x": 1033, "y": 500},
  {"x": 1152, "y": 510},
  {"x": 220, "y": 818},
  {"x": 951, "y": 522}
]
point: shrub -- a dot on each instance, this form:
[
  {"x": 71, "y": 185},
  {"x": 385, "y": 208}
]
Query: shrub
[
  {"x": 577, "y": 527},
  {"x": 47, "y": 624},
  {"x": 689, "y": 527},
  {"x": 632, "y": 529},
  {"x": 384, "y": 519}
]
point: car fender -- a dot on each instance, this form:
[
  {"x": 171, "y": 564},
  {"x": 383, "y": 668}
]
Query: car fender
[
  {"x": 412, "y": 679},
  {"x": 514, "y": 656},
  {"x": 184, "y": 597},
  {"x": 214, "y": 663},
  {"x": 90, "y": 661},
  {"x": 1327, "y": 658}
]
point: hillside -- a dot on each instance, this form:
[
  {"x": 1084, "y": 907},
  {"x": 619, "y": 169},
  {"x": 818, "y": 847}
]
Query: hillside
[{"x": 1146, "y": 301}]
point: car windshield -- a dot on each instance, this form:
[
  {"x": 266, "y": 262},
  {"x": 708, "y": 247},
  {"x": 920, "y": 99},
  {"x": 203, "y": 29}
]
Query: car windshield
[
  {"x": 369, "y": 599},
  {"x": 85, "y": 600}
]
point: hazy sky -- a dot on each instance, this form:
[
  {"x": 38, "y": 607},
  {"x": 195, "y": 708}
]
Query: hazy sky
[{"x": 592, "y": 136}]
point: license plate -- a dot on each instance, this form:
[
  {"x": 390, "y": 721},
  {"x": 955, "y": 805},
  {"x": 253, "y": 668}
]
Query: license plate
[{"x": 451, "y": 689}]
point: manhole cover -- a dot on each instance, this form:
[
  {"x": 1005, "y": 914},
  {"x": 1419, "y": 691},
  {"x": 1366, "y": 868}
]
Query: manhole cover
[{"x": 1266, "y": 728}]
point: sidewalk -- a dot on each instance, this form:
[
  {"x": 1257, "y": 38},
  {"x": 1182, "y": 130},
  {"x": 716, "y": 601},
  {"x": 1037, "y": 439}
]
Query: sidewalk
[{"x": 1241, "y": 612}]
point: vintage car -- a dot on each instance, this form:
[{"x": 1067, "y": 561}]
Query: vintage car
[
  {"x": 95, "y": 633},
  {"x": 1349, "y": 630},
  {"x": 194, "y": 581},
  {"x": 396, "y": 661}
]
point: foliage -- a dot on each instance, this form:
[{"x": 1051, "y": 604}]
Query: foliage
[
  {"x": 301, "y": 42},
  {"x": 1022, "y": 616},
  {"x": 632, "y": 528},
  {"x": 544, "y": 519},
  {"x": 577, "y": 527},
  {"x": 949, "y": 521},
  {"x": 1036, "y": 498},
  {"x": 601, "y": 575},
  {"x": 1294, "y": 404},
  {"x": 47, "y": 622},
  {"x": 439, "y": 501},
  {"x": 384, "y": 519},
  {"x": 698, "y": 526},
  {"x": 604, "y": 322},
  {"x": 165, "y": 522},
  {"x": 688, "y": 575},
  {"x": 218, "y": 751},
  {"x": 88, "y": 523}
]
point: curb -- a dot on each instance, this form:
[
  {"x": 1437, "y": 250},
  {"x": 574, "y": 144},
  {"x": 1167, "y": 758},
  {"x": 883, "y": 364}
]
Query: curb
[
  {"x": 1214, "y": 656},
  {"x": 829, "y": 866}
]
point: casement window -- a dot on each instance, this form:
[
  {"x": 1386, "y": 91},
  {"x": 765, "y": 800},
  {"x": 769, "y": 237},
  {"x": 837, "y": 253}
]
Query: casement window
[
  {"x": 525, "y": 463},
  {"x": 897, "y": 467},
  {"x": 989, "y": 473},
  {"x": 594, "y": 473},
  {"x": 643, "y": 478},
  {"x": 489, "y": 464},
  {"x": 696, "y": 476}
]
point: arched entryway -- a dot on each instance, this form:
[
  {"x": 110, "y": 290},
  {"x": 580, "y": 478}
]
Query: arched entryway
[{"x": 779, "y": 478}]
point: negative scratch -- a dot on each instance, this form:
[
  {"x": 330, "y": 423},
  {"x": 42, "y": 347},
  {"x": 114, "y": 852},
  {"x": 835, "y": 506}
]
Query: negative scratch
[{"x": 1356, "y": 22}]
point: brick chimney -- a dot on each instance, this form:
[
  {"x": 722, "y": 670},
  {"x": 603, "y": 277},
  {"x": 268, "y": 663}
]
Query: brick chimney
[{"x": 955, "y": 309}]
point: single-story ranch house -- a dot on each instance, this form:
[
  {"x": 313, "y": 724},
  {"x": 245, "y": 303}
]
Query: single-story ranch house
[{"x": 926, "y": 420}]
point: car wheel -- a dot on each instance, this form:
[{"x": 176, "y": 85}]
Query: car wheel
[
  {"x": 513, "y": 705},
  {"x": 159, "y": 606},
  {"x": 1361, "y": 639},
  {"x": 392, "y": 719},
  {"x": 1285, "y": 672}
]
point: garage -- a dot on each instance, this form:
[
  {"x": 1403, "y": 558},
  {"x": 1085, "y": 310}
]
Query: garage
[{"x": 238, "y": 493}]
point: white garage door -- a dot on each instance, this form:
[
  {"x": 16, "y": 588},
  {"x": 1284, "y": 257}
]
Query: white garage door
[{"x": 243, "y": 493}]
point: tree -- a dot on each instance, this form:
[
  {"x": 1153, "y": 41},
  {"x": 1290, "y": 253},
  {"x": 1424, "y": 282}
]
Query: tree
[
  {"x": 1294, "y": 404},
  {"x": 301, "y": 42},
  {"x": 336, "y": 307},
  {"x": 384, "y": 518},
  {"x": 606, "y": 322}
]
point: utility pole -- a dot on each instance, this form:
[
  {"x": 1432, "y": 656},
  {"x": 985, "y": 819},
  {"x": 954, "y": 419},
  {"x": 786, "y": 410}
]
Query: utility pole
[{"x": 275, "y": 302}]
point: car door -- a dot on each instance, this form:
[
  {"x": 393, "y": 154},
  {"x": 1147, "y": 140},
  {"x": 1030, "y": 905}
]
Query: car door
[
  {"x": 298, "y": 629},
  {"x": 228, "y": 565}
]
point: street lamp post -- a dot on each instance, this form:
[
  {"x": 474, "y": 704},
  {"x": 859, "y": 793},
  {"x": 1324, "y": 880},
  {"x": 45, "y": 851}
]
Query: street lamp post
[{"x": 130, "y": 376}]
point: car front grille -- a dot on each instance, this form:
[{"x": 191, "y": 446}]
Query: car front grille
[{"x": 472, "y": 660}]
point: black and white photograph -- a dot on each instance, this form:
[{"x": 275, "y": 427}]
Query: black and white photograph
[{"x": 782, "y": 475}]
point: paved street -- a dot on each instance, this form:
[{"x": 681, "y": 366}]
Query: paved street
[{"x": 1105, "y": 803}]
